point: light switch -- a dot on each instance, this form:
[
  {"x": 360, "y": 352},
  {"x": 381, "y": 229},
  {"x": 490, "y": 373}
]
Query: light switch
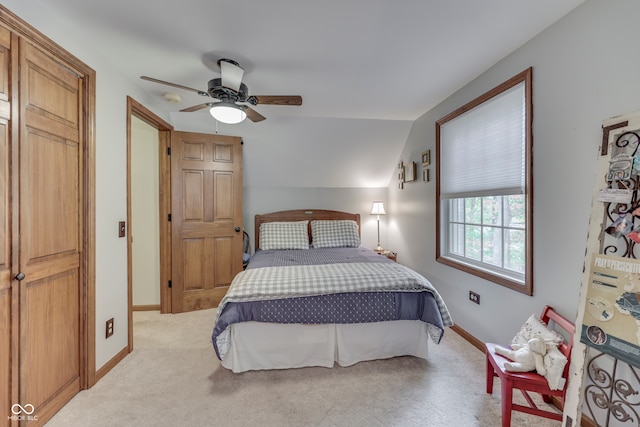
[{"x": 121, "y": 229}]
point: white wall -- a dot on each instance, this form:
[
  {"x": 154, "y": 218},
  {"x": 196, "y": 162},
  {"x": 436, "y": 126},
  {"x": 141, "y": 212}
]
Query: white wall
[
  {"x": 585, "y": 70},
  {"x": 311, "y": 152},
  {"x": 145, "y": 214}
]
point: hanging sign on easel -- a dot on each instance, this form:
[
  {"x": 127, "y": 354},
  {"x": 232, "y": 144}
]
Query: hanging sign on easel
[{"x": 612, "y": 316}]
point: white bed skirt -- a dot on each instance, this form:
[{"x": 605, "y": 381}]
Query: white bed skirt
[{"x": 256, "y": 345}]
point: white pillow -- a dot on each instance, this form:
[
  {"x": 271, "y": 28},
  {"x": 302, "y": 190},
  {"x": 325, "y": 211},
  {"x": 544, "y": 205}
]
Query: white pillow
[
  {"x": 534, "y": 326},
  {"x": 334, "y": 234},
  {"x": 284, "y": 235},
  {"x": 554, "y": 363}
]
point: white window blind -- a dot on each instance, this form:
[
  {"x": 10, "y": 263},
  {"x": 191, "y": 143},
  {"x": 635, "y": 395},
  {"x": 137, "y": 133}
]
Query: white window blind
[{"x": 483, "y": 150}]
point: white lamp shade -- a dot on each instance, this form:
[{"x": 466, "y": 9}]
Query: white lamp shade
[
  {"x": 227, "y": 112},
  {"x": 377, "y": 208}
]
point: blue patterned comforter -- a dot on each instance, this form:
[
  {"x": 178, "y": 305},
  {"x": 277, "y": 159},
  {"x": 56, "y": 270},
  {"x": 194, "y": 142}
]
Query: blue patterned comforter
[{"x": 341, "y": 285}]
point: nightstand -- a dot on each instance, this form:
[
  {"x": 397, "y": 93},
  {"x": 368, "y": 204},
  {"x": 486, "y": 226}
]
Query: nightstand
[{"x": 386, "y": 252}]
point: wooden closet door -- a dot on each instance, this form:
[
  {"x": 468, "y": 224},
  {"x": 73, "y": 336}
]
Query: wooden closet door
[
  {"x": 50, "y": 230},
  {"x": 206, "y": 209},
  {"x": 6, "y": 311}
]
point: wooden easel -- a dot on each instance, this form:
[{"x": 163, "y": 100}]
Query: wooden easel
[{"x": 599, "y": 219}]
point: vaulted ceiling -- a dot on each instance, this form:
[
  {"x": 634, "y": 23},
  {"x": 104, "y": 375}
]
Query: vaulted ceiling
[{"x": 366, "y": 69}]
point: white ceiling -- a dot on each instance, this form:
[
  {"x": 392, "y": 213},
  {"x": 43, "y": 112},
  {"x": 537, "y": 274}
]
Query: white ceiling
[{"x": 366, "y": 69}]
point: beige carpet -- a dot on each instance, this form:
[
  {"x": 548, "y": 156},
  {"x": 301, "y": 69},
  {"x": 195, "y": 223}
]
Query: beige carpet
[{"x": 173, "y": 378}]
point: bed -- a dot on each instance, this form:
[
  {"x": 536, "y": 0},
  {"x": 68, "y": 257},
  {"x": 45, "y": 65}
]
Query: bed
[{"x": 311, "y": 295}]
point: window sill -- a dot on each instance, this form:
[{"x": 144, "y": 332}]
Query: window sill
[{"x": 523, "y": 287}]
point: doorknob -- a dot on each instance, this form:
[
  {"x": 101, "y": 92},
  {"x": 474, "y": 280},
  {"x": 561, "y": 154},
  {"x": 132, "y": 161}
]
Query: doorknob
[
  {"x": 237, "y": 229},
  {"x": 20, "y": 276}
]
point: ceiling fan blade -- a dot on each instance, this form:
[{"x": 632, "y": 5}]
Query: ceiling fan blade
[
  {"x": 231, "y": 73},
  {"x": 162, "y": 82},
  {"x": 253, "y": 115},
  {"x": 279, "y": 100},
  {"x": 197, "y": 107}
]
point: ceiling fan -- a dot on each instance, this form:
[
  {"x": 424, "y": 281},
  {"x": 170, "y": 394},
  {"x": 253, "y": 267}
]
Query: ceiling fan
[{"x": 232, "y": 95}]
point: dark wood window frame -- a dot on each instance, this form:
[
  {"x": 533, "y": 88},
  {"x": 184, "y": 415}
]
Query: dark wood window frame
[{"x": 525, "y": 286}]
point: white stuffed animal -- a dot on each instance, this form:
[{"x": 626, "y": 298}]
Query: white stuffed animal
[{"x": 526, "y": 357}]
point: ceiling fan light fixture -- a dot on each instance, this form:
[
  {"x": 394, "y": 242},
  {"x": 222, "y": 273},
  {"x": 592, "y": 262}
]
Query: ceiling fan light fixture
[{"x": 227, "y": 112}]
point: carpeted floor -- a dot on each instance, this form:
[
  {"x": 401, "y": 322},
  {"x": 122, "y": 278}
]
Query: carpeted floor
[{"x": 173, "y": 378}]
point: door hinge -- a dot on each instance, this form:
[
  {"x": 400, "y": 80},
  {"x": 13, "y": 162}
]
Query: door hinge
[
  {"x": 168, "y": 151},
  {"x": 169, "y": 217},
  {"x": 169, "y": 283}
]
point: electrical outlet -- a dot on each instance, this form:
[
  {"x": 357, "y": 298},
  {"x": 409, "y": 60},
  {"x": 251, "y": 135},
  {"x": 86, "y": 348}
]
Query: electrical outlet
[
  {"x": 473, "y": 297},
  {"x": 109, "y": 328}
]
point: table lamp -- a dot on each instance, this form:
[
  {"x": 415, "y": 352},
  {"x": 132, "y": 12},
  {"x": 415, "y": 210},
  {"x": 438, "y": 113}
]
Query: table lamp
[{"x": 378, "y": 209}]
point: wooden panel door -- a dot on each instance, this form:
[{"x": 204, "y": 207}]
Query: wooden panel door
[
  {"x": 206, "y": 194},
  {"x": 51, "y": 214},
  {"x": 6, "y": 312}
]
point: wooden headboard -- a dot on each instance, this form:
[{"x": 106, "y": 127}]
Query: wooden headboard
[{"x": 302, "y": 215}]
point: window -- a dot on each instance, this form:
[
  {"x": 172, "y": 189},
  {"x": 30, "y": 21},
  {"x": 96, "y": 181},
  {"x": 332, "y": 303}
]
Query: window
[{"x": 484, "y": 186}]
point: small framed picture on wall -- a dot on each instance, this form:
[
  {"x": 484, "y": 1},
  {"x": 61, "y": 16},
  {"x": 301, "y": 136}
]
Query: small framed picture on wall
[
  {"x": 410, "y": 172},
  {"x": 426, "y": 158}
]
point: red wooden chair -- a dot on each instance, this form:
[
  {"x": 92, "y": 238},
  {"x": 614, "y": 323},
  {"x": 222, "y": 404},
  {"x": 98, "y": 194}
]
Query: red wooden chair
[{"x": 529, "y": 381}]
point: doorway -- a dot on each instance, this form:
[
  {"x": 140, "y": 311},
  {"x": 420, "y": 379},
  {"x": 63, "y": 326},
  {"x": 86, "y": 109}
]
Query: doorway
[
  {"x": 142, "y": 122},
  {"x": 145, "y": 216},
  {"x": 200, "y": 248}
]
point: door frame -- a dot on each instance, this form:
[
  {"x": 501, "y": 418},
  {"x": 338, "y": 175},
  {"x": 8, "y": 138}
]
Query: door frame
[{"x": 134, "y": 108}]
